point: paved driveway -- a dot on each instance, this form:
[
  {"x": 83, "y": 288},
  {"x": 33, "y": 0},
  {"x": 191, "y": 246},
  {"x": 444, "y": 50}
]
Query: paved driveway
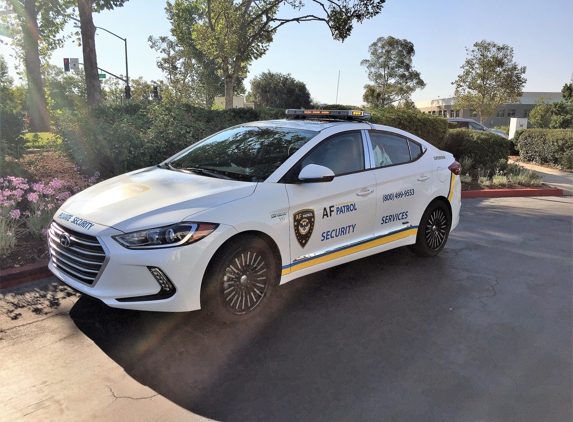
[{"x": 480, "y": 333}]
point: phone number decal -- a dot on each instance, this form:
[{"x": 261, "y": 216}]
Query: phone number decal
[{"x": 402, "y": 194}]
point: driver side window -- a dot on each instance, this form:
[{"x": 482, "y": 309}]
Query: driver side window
[{"x": 342, "y": 153}]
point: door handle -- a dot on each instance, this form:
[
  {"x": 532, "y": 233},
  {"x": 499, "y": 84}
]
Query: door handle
[
  {"x": 423, "y": 178},
  {"x": 365, "y": 192}
]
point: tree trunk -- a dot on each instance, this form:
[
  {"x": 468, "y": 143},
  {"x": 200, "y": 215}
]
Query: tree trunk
[
  {"x": 88, "y": 46},
  {"x": 229, "y": 83},
  {"x": 39, "y": 115}
]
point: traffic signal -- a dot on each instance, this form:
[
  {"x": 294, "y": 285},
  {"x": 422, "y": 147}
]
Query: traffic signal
[
  {"x": 155, "y": 92},
  {"x": 67, "y": 65},
  {"x": 127, "y": 92}
]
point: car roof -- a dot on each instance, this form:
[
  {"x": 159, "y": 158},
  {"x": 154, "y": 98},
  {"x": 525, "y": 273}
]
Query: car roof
[
  {"x": 461, "y": 119},
  {"x": 314, "y": 125}
]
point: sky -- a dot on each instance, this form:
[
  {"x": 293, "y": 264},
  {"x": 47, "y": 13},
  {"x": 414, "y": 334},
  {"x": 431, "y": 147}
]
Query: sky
[{"x": 540, "y": 32}]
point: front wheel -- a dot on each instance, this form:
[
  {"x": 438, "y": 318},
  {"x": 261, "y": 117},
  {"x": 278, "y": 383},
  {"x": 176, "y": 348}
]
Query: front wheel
[
  {"x": 433, "y": 230},
  {"x": 241, "y": 276}
]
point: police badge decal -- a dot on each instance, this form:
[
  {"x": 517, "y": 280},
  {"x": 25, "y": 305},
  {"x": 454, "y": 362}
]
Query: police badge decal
[{"x": 303, "y": 221}]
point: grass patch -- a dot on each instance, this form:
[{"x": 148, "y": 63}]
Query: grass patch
[{"x": 41, "y": 140}]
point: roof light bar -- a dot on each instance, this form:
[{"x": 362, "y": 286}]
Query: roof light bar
[{"x": 328, "y": 114}]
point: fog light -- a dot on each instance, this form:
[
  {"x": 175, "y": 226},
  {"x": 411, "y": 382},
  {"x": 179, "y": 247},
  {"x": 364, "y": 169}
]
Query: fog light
[{"x": 162, "y": 280}]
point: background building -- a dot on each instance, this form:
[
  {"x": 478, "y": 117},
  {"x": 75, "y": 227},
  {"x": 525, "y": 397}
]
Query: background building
[
  {"x": 501, "y": 115},
  {"x": 238, "y": 102}
]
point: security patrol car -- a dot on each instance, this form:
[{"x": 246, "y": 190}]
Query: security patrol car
[{"x": 222, "y": 223}]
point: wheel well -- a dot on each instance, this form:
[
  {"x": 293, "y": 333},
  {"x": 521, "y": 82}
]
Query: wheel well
[
  {"x": 445, "y": 201},
  {"x": 263, "y": 236}
]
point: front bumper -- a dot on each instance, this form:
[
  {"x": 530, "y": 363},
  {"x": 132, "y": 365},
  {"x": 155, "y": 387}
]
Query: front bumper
[{"x": 126, "y": 279}]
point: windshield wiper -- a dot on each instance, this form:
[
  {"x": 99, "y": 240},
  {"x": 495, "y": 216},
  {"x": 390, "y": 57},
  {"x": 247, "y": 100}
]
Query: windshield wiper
[{"x": 211, "y": 173}]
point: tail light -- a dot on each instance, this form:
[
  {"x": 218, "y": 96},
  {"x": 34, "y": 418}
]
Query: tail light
[{"x": 455, "y": 168}]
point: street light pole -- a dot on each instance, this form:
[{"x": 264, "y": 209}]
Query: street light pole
[{"x": 123, "y": 39}]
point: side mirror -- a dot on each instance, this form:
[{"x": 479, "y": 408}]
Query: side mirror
[{"x": 315, "y": 174}]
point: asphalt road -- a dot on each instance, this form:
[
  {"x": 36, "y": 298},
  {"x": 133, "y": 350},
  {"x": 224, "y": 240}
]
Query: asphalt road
[{"x": 483, "y": 332}]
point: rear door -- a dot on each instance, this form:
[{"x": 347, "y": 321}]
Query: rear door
[{"x": 403, "y": 179}]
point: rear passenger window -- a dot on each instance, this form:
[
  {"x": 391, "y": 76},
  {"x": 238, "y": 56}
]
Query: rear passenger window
[
  {"x": 415, "y": 149},
  {"x": 389, "y": 149}
]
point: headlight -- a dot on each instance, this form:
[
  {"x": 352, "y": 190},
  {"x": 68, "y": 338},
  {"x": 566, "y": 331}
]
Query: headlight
[{"x": 166, "y": 237}]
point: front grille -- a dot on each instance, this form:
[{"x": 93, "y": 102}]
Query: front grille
[{"x": 82, "y": 259}]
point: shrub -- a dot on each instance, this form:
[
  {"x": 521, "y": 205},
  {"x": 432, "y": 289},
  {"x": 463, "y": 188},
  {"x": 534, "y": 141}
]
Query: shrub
[
  {"x": 11, "y": 192},
  {"x": 484, "y": 148},
  {"x": 514, "y": 150},
  {"x": 432, "y": 129},
  {"x": 499, "y": 180},
  {"x": 547, "y": 146},
  {"x": 466, "y": 163},
  {"x": 525, "y": 177},
  {"x": 11, "y": 128},
  {"x": 116, "y": 139}
]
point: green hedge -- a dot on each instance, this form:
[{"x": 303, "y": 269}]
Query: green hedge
[
  {"x": 547, "y": 146},
  {"x": 12, "y": 126},
  {"x": 432, "y": 129},
  {"x": 484, "y": 148},
  {"x": 117, "y": 139}
]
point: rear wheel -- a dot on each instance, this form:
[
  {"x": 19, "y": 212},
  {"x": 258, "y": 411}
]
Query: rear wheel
[
  {"x": 240, "y": 278},
  {"x": 433, "y": 230}
]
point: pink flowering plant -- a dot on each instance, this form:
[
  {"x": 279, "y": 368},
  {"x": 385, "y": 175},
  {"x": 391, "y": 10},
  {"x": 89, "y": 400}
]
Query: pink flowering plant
[
  {"x": 28, "y": 208},
  {"x": 43, "y": 201},
  {"x": 12, "y": 190}
]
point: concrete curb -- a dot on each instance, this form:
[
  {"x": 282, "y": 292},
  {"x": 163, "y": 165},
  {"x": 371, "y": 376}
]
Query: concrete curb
[
  {"x": 15, "y": 276},
  {"x": 500, "y": 193}
]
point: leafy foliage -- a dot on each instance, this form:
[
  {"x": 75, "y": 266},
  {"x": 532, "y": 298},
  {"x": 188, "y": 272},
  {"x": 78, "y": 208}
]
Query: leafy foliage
[
  {"x": 391, "y": 72},
  {"x": 567, "y": 91},
  {"x": 231, "y": 34},
  {"x": 489, "y": 78},
  {"x": 432, "y": 129},
  {"x": 558, "y": 115},
  {"x": 277, "y": 90},
  {"x": 485, "y": 149},
  {"x": 553, "y": 146},
  {"x": 190, "y": 77},
  {"x": 117, "y": 139}
]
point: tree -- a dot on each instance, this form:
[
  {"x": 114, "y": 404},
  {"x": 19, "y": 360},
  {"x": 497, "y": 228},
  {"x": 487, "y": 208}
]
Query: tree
[
  {"x": 489, "y": 78},
  {"x": 66, "y": 90},
  {"x": 558, "y": 115},
  {"x": 188, "y": 80},
  {"x": 567, "y": 91},
  {"x": 540, "y": 116},
  {"x": 391, "y": 72},
  {"x": 85, "y": 9},
  {"x": 279, "y": 91},
  {"x": 407, "y": 104},
  {"x": 35, "y": 26},
  {"x": 234, "y": 33}
]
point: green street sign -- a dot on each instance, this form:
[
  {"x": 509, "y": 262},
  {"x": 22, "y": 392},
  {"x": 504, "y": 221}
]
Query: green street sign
[{"x": 102, "y": 75}]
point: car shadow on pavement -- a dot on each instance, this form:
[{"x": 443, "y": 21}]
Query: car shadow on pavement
[
  {"x": 480, "y": 332},
  {"x": 318, "y": 351}
]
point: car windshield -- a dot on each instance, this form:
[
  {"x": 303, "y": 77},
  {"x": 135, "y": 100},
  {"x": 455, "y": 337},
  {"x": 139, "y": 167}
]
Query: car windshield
[{"x": 246, "y": 153}]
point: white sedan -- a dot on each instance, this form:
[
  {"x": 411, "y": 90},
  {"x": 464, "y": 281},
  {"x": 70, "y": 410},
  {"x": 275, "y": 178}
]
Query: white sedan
[{"x": 222, "y": 223}]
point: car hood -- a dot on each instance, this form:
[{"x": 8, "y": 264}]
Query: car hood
[{"x": 152, "y": 197}]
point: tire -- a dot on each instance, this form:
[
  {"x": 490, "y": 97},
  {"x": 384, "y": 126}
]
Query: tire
[
  {"x": 433, "y": 231},
  {"x": 240, "y": 279}
]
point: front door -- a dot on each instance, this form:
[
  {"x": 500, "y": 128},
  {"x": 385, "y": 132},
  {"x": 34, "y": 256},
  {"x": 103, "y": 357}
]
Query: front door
[{"x": 328, "y": 217}]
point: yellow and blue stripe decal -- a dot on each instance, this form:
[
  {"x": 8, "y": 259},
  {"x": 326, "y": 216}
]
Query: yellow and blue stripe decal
[
  {"x": 350, "y": 249},
  {"x": 452, "y": 182}
]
